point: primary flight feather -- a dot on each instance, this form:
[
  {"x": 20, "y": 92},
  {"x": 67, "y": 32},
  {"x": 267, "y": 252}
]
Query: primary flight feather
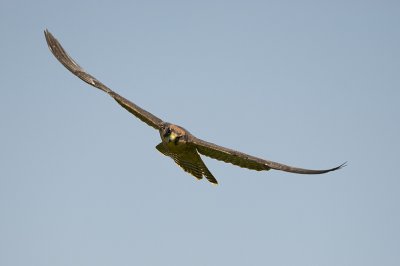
[{"x": 177, "y": 142}]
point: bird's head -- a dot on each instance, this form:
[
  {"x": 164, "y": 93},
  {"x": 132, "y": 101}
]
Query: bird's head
[{"x": 171, "y": 133}]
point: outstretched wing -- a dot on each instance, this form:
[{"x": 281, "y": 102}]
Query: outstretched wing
[
  {"x": 190, "y": 161},
  {"x": 248, "y": 161},
  {"x": 62, "y": 56}
]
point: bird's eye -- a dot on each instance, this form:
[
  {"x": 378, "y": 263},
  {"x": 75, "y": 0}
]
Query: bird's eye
[{"x": 167, "y": 132}]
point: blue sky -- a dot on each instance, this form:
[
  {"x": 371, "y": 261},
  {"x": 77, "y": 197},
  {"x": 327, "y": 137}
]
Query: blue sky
[{"x": 310, "y": 84}]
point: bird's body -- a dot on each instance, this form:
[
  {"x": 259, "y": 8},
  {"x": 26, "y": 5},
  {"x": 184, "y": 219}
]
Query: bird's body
[{"x": 177, "y": 142}]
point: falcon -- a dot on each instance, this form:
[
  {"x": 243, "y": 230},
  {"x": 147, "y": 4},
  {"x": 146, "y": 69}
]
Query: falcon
[{"x": 176, "y": 142}]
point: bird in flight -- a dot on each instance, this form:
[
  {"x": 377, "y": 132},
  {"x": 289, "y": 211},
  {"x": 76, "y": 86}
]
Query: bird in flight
[{"x": 176, "y": 142}]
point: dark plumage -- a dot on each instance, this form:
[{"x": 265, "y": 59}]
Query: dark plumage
[{"x": 177, "y": 142}]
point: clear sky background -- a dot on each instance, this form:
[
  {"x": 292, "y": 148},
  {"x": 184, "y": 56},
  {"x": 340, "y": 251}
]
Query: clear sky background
[{"x": 307, "y": 83}]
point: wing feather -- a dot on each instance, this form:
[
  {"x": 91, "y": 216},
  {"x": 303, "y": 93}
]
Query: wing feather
[
  {"x": 247, "y": 161},
  {"x": 190, "y": 161},
  {"x": 63, "y": 57}
]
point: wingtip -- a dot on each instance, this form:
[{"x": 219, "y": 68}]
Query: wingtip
[
  {"x": 342, "y": 165},
  {"x": 338, "y": 167},
  {"x": 48, "y": 34}
]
